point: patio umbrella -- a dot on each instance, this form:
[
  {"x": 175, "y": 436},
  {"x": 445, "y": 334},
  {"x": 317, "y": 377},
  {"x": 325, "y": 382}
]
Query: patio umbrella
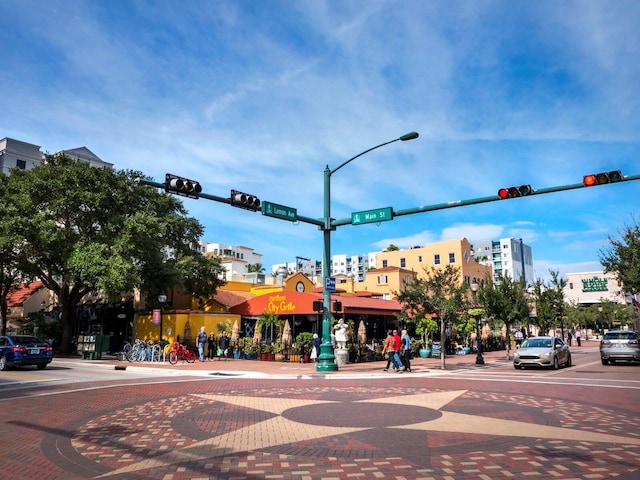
[
  {"x": 286, "y": 335},
  {"x": 235, "y": 334},
  {"x": 362, "y": 333},
  {"x": 257, "y": 335}
]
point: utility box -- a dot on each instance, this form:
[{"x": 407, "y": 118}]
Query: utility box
[{"x": 91, "y": 347}]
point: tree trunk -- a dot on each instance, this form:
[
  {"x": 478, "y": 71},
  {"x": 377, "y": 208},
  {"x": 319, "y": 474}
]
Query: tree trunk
[{"x": 443, "y": 352}]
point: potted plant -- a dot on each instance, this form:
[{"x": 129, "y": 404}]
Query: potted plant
[
  {"x": 425, "y": 328},
  {"x": 247, "y": 348},
  {"x": 278, "y": 351},
  {"x": 304, "y": 342},
  {"x": 294, "y": 354}
]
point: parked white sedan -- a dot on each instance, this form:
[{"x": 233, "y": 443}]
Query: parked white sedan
[{"x": 542, "y": 352}]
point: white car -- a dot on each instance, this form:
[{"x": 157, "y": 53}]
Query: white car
[{"x": 542, "y": 352}]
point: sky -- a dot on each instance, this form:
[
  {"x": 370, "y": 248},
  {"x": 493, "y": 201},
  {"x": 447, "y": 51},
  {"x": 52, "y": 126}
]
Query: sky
[{"x": 262, "y": 96}]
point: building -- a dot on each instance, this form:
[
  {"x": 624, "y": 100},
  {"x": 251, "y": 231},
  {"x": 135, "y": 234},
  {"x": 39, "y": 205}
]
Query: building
[
  {"x": 588, "y": 288},
  {"x": 507, "y": 257},
  {"x": 421, "y": 259},
  {"x": 236, "y": 260},
  {"x": 25, "y": 156}
]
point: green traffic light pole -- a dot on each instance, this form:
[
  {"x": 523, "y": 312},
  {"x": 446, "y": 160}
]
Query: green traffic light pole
[
  {"x": 325, "y": 361},
  {"x": 327, "y": 224}
]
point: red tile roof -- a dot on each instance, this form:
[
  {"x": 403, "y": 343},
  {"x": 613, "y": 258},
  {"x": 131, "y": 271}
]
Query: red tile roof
[{"x": 18, "y": 296}]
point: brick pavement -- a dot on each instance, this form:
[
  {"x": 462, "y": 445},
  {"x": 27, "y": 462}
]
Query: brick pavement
[{"x": 355, "y": 423}]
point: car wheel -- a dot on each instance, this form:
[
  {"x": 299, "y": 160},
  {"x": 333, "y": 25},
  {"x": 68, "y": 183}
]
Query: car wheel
[
  {"x": 604, "y": 362},
  {"x": 41, "y": 366},
  {"x": 568, "y": 364},
  {"x": 3, "y": 363},
  {"x": 517, "y": 367},
  {"x": 555, "y": 363}
]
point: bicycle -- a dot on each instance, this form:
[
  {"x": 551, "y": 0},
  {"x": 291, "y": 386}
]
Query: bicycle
[{"x": 181, "y": 352}]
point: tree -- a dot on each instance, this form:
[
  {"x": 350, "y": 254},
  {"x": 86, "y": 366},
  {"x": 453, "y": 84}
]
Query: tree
[
  {"x": 505, "y": 302},
  {"x": 255, "y": 268},
  {"x": 622, "y": 257},
  {"x": 391, "y": 248},
  {"x": 549, "y": 299},
  {"x": 83, "y": 229},
  {"x": 440, "y": 292}
]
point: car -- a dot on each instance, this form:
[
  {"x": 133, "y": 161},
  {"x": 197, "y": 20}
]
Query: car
[
  {"x": 21, "y": 350},
  {"x": 620, "y": 345},
  {"x": 542, "y": 352}
]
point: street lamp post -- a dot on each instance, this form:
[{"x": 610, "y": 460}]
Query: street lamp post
[
  {"x": 600, "y": 309},
  {"x": 162, "y": 298},
  {"x": 479, "y": 358},
  {"x": 326, "y": 359}
]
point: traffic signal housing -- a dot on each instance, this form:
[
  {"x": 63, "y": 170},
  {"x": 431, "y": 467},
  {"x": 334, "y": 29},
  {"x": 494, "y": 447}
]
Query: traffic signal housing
[
  {"x": 244, "y": 200},
  {"x": 182, "y": 186},
  {"x": 514, "y": 192},
  {"x": 602, "y": 178}
]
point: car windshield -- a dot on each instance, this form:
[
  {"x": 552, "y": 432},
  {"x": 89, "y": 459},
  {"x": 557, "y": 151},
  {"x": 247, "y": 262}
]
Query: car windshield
[
  {"x": 25, "y": 339},
  {"x": 537, "y": 343},
  {"x": 620, "y": 336}
]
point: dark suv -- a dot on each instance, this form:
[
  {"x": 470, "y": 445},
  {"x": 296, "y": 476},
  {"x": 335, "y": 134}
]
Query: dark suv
[{"x": 620, "y": 345}]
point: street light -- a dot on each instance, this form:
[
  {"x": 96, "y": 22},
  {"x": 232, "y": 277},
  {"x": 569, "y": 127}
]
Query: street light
[
  {"x": 479, "y": 358},
  {"x": 601, "y": 321},
  {"x": 325, "y": 362},
  {"x": 162, "y": 298}
]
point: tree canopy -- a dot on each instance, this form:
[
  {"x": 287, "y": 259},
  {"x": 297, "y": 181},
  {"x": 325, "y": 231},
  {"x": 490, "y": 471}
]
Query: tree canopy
[
  {"x": 622, "y": 256},
  {"x": 81, "y": 229}
]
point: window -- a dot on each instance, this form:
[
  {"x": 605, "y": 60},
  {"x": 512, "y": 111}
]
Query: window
[
  {"x": 436, "y": 259},
  {"x": 452, "y": 258},
  {"x": 21, "y": 164},
  {"x": 382, "y": 280},
  {"x": 384, "y": 263},
  {"x": 403, "y": 262},
  {"x": 419, "y": 258}
]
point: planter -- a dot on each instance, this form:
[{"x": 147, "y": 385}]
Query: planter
[
  {"x": 236, "y": 354},
  {"x": 467, "y": 350},
  {"x": 295, "y": 358},
  {"x": 425, "y": 352},
  {"x": 279, "y": 357},
  {"x": 248, "y": 356},
  {"x": 307, "y": 358}
]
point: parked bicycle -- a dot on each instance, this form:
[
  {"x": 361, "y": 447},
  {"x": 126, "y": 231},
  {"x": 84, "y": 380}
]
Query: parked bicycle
[{"x": 177, "y": 351}]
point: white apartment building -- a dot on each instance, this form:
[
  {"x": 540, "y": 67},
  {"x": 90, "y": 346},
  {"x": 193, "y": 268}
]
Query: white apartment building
[
  {"x": 235, "y": 260},
  {"x": 25, "y": 156},
  {"x": 507, "y": 256}
]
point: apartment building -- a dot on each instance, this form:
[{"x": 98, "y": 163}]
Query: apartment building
[
  {"x": 236, "y": 261},
  {"x": 420, "y": 259},
  {"x": 507, "y": 257}
]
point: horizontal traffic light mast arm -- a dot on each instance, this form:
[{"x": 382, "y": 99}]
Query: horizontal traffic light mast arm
[
  {"x": 201, "y": 195},
  {"x": 474, "y": 201}
]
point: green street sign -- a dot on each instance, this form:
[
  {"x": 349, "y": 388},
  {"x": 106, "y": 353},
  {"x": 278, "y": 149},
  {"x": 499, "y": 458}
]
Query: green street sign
[
  {"x": 279, "y": 211},
  {"x": 372, "y": 216}
]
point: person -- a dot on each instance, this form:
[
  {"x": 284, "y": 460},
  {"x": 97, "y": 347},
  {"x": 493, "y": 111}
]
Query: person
[
  {"x": 390, "y": 348},
  {"x": 569, "y": 337},
  {"x": 212, "y": 346},
  {"x": 406, "y": 350},
  {"x": 398, "y": 341},
  {"x": 201, "y": 339},
  {"x": 578, "y": 337},
  {"x": 341, "y": 333},
  {"x": 317, "y": 341},
  {"x": 518, "y": 338},
  {"x": 223, "y": 345}
]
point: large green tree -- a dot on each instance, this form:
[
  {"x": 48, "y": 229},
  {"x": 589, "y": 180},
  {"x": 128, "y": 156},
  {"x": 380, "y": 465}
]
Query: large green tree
[
  {"x": 622, "y": 257},
  {"x": 82, "y": 229},
  {"x": 549, "y": 300},
  {"x": 441, "y": 292},
  {"x": 505, "y": 302}
]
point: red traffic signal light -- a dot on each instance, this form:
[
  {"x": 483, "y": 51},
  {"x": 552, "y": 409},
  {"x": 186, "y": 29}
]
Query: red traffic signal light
[
  {"x": 513, "y": 192},
  {"x": 181, "y": 186},
  {"x": 602, "y": 178},
  {"x": 244, "y": 200}
]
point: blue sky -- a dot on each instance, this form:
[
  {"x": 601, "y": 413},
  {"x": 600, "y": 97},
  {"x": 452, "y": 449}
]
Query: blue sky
[{"x": 260, "y": 96}]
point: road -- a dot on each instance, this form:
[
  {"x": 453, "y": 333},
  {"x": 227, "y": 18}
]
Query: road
[{"x": 242, "y": 419}]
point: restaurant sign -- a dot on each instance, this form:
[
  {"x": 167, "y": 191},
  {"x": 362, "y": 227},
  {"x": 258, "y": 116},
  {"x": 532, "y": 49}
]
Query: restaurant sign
[
  {"x": 279, "y": 304},
  {"x": 594, "y": 284}
]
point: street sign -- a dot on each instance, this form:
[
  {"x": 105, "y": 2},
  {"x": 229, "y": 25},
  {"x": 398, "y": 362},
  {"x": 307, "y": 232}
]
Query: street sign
[
  {"x": 330, "y": 284},
  {"x": 372, "y": 216},
  {"x": 279, "y": 211}
]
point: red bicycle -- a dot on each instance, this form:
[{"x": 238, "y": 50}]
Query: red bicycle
[{"x": 178, "y": 351}]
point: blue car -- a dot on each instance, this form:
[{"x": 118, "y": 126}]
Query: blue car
[{"x": 20, "y": 350}]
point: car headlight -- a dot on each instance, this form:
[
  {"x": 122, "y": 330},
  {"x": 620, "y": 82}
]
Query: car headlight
[{"x": 545, "y": 355}]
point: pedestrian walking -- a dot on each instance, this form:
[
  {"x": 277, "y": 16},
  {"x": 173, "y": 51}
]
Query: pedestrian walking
[
  {"x": 406, "y": 350},
  {"x": 398, "y": 353},
  {"x": 211, "y": 341},
  {"x": 569, "y": 337},
  {"x": 578, "y": 337},
  {"x": 317, "y": 341},
  {"x": 201, "y": 339},
  {"x": 390, "y": 348},
  {"x": 223, "y": 345},
  {"x": 519, "y": 337}
]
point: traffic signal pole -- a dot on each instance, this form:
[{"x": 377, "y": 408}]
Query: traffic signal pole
[{"x": 327, "y": 224}]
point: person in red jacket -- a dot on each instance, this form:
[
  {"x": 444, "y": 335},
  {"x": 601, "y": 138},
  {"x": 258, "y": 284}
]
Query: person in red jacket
[
  {"x": 390, "y": 348},
  {"x": 397, "y": 356}
]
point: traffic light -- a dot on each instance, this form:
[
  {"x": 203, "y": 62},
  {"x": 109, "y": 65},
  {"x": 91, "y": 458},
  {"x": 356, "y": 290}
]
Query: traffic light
[
  {"x": 181, "y": 186},
  {"x": 244, "y": 200},
  {"x": 602, "y": 178},
  {"x": 513, "y": 192}
]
